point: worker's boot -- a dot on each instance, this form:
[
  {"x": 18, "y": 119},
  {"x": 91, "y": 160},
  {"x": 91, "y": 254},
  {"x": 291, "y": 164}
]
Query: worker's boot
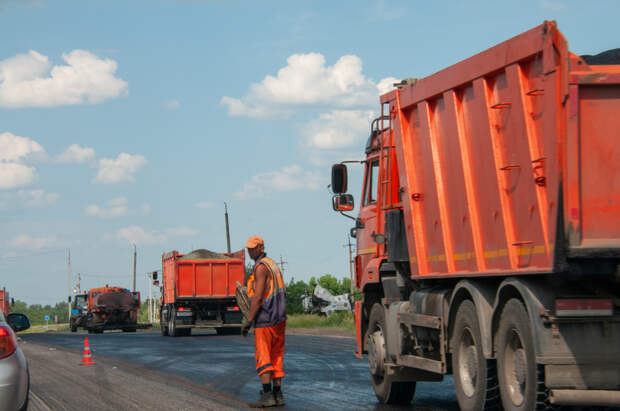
[
  {"x": 278, "y": 397},
  {"x": 266, "y": 400}
]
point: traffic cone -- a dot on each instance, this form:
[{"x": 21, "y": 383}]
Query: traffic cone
[{"x": 87, "y": 358}]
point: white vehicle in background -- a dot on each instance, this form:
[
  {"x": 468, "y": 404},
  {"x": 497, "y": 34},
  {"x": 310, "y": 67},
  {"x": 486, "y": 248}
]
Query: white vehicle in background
[
  {"x": 14, "y": 376},
  {"x": 322, "y": 302}
]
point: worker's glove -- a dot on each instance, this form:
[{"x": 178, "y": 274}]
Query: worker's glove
[{"x": 245, "y": 328}]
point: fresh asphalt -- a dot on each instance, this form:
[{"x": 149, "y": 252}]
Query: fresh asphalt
[{"x": 321, "y": 372}]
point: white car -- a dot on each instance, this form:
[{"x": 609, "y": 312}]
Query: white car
[{"x": 14, "y": 376}]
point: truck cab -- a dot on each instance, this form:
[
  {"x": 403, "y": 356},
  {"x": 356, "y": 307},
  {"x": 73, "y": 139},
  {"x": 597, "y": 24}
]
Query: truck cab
[{"x": 79, "y": 309}]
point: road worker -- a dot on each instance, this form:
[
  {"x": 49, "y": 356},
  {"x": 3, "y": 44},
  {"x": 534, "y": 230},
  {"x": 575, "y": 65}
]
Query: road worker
[{"x": 267, "y": 293}]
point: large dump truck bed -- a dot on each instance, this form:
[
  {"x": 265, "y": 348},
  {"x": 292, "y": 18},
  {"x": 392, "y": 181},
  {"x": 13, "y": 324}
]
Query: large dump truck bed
[
  {"x": 195, "y": 279},
  {"x": 509, "y": 161}
]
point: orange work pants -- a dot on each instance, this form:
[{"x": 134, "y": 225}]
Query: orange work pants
[{"x": 269, "y": 345}]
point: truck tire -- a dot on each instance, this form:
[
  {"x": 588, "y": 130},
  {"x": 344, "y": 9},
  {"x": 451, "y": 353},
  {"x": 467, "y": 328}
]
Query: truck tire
[
  {"x": 73, "y": 328},
  {"x": 520, "y": 383},
  {"x": 475, "y": 378},
  {"x": 162, "y": 324},
  {"x": 172, "y": 328},
  {"x": 386, "y": 390}
]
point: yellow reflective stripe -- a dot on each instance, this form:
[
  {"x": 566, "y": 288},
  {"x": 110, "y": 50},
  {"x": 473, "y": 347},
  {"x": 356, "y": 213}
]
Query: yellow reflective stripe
[
  {"x": 539, "y": 249},
  {"x": 367, "y": 250}
]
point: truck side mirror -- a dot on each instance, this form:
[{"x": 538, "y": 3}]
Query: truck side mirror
[
  {"x": 18, "y": 322},
  {"x": 339, "y": 178},
  {"x": 343, "y": 202},
  {"x": 154, "y": 275}
]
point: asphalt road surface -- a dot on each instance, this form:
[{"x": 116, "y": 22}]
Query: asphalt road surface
[{"x": 204, "y": 371}]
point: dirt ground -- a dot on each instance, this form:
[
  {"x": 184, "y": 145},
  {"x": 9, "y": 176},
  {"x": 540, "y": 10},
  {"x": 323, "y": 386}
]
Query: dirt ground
[{"x": 322, "y": 332}]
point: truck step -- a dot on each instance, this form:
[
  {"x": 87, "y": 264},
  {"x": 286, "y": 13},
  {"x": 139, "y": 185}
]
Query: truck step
[
  {"x": 420, "y": 320},
  {"x": 422, "y": 363}
]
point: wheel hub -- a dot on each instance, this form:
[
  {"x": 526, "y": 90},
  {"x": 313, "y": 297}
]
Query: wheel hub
[
  {"x": 468, "y": 364},
  {"x": 520, "y": 366},
  {"x": 376, "y": 353},
  {"x": 515, "y": 368}
]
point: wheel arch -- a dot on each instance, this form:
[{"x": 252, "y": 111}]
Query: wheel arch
[
  {"x": 535, "y": 297},
  {"x": 481, "y": 294}
]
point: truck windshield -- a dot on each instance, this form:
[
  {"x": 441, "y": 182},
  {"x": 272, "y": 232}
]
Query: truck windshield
[{"x": 372, "y": 180}]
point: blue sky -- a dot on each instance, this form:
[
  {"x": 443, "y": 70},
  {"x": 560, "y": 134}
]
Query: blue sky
[{"x": 133, "y": 122}]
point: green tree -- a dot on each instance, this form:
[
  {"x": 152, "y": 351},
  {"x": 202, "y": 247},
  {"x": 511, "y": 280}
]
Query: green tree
[{"x": 294, "y": 292}]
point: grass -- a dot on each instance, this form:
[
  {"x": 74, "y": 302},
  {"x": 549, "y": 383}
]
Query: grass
[
  {"x": 45, "y": 328},
  {"x": 342, "y": 320}
]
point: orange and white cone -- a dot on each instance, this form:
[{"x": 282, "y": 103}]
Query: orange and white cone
[{"x": 87, "y": 358}]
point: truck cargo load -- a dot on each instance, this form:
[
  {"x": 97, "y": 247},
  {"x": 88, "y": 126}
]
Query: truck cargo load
[
  {"x": 488, "y": 235},
  {"x": 198, "y": 291}
]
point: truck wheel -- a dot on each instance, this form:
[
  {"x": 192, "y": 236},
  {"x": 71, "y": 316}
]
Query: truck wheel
[
  {"x": 164, "y": 329},
  {"x": 172, "y": 328},
  {"x": 73, "y": 328},
  {"x": 386, "y": 390},
  {"x": 475, "y": 378},
  {"x": 519, "y": 382}
]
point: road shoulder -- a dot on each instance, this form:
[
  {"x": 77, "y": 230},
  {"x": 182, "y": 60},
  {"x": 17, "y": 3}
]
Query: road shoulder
[{"x": 57, "y": 381}]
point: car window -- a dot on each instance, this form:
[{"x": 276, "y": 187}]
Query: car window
[{"x": 372, "y": 180}]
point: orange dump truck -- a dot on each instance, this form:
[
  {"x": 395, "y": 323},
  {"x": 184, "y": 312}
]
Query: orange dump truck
[
  {"x": 488, "y": 235},
  {"x": 198, "y": 291},
  {"x": 5, "y": 306}
]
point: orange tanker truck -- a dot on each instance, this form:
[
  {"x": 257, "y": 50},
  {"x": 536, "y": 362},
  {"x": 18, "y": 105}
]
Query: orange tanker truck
[
  {"x": 198, "y": 291},
  {"x": 107, "y": 308},
  {"x": 488, "y": 234}
]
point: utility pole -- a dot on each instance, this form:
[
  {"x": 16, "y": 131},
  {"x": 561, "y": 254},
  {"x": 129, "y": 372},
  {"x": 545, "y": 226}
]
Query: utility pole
[
  {"x": 350, "y": 245},
  {"x": 78, "y": 284},
  {"x": 282, "y": 262},
  {"x": 134, "y": 268},
  {"x": 69, "y": 283},
  {"x": 227, "y": 228}
]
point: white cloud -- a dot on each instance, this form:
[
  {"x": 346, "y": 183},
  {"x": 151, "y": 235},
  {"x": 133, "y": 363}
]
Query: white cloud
[
  {"x": 24, "y": 241},
  {"x": 37, "y": 198},
  {"x": 137, "y": 235},
  {"x": 306, "y": 79},
  {"x": 205, "y": 204},
  {"x": 386, "y": 84},
  {"x": 30, "y": 80},
  {"x": 182, "y": 232},
  {"x": 14, "y": 152},
  {"x": 14, "y": 175},
  {"x": 76, "y": 154},
  {"x": 19, "y": 149},
  {"x": 288, "y": 179},
  {"x": 338, "y": 129},
  {"x": 117, "y": 207},
  {"x": 121, "y": 169},
  {"x": 173, "y": 104}
]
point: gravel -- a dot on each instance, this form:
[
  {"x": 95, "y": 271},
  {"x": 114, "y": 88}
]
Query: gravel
[{"x": 203, "y": 254}]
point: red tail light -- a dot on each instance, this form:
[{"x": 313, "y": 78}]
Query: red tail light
[
  {"x": 8, "y": 342},
  {"x": 184, "y": 309},
  {"x": 233, "y": 308},
  {"x": 582, "y": 307}
]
